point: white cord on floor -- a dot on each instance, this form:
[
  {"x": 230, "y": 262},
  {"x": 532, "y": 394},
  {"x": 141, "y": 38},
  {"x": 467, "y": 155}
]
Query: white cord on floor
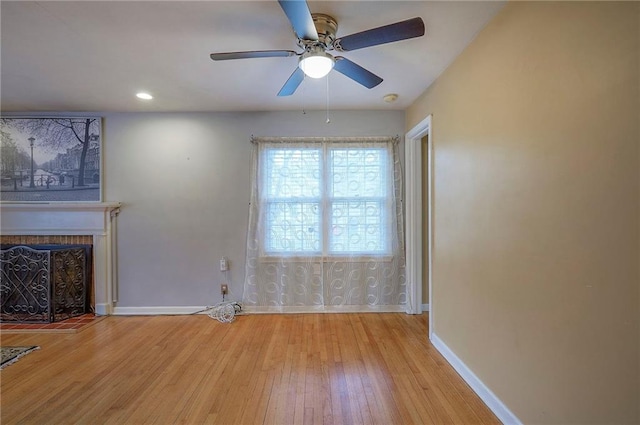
[{"x": 225, "y": 312}]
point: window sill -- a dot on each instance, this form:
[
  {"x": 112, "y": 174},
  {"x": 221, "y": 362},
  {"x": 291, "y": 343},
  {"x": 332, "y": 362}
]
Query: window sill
[{"x": 326, "y": 259}]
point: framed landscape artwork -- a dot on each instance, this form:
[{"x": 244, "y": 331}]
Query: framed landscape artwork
[{"x": 55, "y": 159}]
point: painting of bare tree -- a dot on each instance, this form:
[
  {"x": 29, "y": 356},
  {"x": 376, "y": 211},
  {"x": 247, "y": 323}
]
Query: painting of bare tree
[{"x": 50, "y": 159}]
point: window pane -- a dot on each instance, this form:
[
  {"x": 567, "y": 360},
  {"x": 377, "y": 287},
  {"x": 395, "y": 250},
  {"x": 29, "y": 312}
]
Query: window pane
[
  {"x": 292, "y": 173},
  {"x": 293, "y": 227},
  {"x": 296, "y": 187},
  {"x": 357, "y": 227},
  {"x": 358, "y": 172}
]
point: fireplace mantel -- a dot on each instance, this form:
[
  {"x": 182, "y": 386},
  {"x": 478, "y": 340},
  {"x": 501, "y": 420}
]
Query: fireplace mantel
[{"x": 98, "y": 219}]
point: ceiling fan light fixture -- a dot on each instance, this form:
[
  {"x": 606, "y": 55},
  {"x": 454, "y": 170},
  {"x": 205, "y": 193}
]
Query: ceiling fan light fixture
[{"x": 316, "y": 63}]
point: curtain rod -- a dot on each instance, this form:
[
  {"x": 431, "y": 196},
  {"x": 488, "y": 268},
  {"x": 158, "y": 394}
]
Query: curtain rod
[{"x": 356, "y": 139}]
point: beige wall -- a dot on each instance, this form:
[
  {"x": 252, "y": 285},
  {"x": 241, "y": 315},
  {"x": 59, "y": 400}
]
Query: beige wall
[{"x": 536, "y": 233}]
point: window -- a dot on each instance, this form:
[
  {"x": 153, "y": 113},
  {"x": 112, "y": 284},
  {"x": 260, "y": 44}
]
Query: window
[
  {"x": 326, "y": 199},
  {"x": 325, "y": 224}
]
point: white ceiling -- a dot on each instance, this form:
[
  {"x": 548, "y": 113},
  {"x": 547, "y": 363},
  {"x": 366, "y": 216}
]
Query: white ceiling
[{"x": 93, "y": 56}]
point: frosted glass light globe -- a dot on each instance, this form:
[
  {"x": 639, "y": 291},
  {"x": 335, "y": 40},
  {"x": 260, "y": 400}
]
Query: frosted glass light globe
[{"x": 316, "y": 64}]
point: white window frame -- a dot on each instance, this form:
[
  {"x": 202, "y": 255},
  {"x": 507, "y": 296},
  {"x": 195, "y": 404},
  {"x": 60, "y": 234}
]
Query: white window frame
[{"x": 325, "y": 201}]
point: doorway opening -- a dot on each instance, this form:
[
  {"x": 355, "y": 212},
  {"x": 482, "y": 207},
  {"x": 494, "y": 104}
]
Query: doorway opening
[{"x": 418, "y": 261}]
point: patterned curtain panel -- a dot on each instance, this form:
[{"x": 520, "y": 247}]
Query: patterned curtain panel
[{"x": 325, "y": 224}]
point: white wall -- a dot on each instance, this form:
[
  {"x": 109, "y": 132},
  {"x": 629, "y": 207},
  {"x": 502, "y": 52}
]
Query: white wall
[{"x": 184, "y": 179}]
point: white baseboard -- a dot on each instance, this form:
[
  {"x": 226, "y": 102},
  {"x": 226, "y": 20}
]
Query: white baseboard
[
  {"x": 176, "y": 310},
  {"x": 425, "y": 307},
  {"x": 103, "y": 309},
  {"x": 166, "y": 310},
  {"x": 324, "y": 309},
  {"x": 489, "y": 398}
]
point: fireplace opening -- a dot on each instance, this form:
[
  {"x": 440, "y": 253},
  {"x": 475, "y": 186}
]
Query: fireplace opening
[{"x": 45, "y": 283}]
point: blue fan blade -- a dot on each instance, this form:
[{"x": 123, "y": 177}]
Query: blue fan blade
[
  {"x": 356, "y": 72},
  {"x": 300, "y": 17},
  {"x": 292, "y": 83},
  {"x": 410, "y": 28}
]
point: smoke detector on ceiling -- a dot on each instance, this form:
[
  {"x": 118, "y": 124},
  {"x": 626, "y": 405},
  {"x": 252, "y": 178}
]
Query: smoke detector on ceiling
[{"x": 390, "y": 98}]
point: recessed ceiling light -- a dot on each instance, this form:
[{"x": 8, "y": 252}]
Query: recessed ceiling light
[{"x": 143, "y": 95}]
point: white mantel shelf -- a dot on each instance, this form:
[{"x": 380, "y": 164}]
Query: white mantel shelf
[
  {"x": 71, "y": 206},
  {"x": 56, "y": 218},
  {"x": 61, "y": 205},
  {"x": 98, "y": 219}
]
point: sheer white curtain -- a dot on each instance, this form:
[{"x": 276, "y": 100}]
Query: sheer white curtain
[{"x": 325, "y": 225}]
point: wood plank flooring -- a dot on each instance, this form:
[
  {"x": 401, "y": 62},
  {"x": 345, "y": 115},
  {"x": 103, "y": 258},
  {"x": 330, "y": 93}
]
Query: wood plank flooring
[{"x": 373, "y": 368}]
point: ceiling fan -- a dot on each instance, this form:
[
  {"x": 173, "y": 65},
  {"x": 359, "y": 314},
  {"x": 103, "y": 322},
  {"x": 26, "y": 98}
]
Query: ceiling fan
[{"x": 316, "y": 34}]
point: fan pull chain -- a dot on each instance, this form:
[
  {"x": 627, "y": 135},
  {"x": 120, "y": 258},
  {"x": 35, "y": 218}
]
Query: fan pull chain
[
  {"x": 328, "y": 120},
  {"x": 304, "y": 112}
]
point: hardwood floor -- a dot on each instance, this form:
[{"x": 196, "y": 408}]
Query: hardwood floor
[{"x": 373, "y": 368}]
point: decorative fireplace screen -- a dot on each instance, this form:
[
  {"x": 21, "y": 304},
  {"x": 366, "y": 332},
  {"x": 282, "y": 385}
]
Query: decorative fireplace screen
[{"x": 44, "y": 284}]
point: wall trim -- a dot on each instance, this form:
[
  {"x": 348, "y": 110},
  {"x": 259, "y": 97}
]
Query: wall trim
[
  {"x": 325, "y": 309},
  {"x": 425, "y": 307},
  {"x": 490, "y": 399},
  {"x": 102, "y": 309},
  {"x": 182, "y": 310},
  {"x": 159, "y": 310},
  {"x": 414, "y": 213}
]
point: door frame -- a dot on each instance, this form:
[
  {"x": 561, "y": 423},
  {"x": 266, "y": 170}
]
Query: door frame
[{"x": 413, "y": 216}]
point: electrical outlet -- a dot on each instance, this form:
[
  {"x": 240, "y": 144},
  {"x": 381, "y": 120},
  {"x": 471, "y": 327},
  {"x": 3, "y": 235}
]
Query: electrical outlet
[
  {"x": 224, "y": 289},
  {"x": 224, "y": 264}
]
